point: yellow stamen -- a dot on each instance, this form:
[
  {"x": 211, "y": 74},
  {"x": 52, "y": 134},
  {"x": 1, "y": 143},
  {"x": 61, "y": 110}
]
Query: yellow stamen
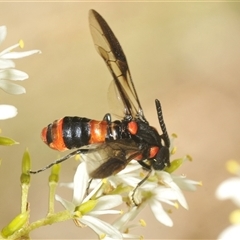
[
  {"x": 233, "y": 166},
  {"x": 189, "y": 158},
  {"x": 174, "y": 135},
  {"x": 102, "y": 236},
  {"x": 142, "y": 223},
  {"x": 169, "y": 211},
  {"x": 104, "y": 180},
  {"x": 200, "y": 183},
  {"x": 77, "y": 157},
  {"x": 173, "y": 150},
  {"x": 21, "y": 43},
  {"x": 142, "y": 174},
  {"x": 235, "y": 217}
]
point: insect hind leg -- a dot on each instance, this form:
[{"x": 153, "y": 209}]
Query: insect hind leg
[{"x": 70, "y": 155}]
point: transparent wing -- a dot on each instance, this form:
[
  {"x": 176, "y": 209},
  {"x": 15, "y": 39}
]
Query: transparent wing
[
  {"x": 110, "y": 157},
  {"x": 110, "y": 50},
  {"x": 115, "y": 103}
]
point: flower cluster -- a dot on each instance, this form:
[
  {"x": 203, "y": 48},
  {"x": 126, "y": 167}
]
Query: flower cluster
[
  {"x": 228, "y": 189},
  {"x": 132, "y": 188},
  {"x": 159, "y": 189},
  {"x": 7, "y": 72}
]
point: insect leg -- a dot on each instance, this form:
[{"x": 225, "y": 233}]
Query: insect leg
[
  {"x": 89, "y": 184},
  {"x": 144, "y": 165},
  {"x": 138, "y": 185},
  {"x": 72, "y": 154}
]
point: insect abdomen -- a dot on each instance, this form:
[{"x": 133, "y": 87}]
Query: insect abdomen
[{"x": 74, "y": 132}]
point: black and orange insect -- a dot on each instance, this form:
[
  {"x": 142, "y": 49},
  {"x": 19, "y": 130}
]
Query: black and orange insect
[{"x": 115, "y": 142}]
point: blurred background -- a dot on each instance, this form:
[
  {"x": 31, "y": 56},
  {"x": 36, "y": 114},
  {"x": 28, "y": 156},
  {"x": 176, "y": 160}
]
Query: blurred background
[{"x": 185, "y": 54}]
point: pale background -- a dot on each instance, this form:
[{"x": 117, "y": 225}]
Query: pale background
[{"x": 185, "y": 54}]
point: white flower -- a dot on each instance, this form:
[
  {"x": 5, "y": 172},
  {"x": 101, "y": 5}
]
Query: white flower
[
  {"x": 122, "y": 224},
  {"x": 7, "y": 111},
  {"x": 86, "y": 210},
  {"x": 161, "y": 187},
  {"x": 6, "y": 65},
  {"x": 7, "y": 72},
  {"x": 229, "y": 189},
  {"x": 155, "y": 193},
  {"x": 232, "y": 232}
]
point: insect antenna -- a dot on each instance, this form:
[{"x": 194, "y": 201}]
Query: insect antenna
[
  {"x": 72, "y": 154},
  {"x": 162, "y": 124}
]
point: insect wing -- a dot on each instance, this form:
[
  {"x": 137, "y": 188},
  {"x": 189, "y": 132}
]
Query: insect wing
[
  {"x": 110, "y": 50},
  {"x": 110, "y": 157},
  {"x": 116, "y": 105}
]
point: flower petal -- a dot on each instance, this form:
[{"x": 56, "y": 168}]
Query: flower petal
[
  {"x": 81, "y": 179},
  {"x": 108, "y": 202},
  {"x": 3, "y": 33},
  {"x": 7, "y": 111},
  {"x": 101, "y": 227},
  {"x": 185, "y": 183},
  {"x": 13, "y": 74},
  {"x": 134, "y": 166},
  {"x": 9, "y": 49},
  {"x": 68, "y": 205},
  {"x": 5, "y": 63},
  {"x": 227, "y": 189},
  {"x": 110, "y": 211},
  {"x": 11, "y": 88},
  {"x": 160, "y": 214},
  {"x": 165, "y": 193},
  {"x": 178, "y": 195},
  {"x": 128, "y": 216},
  {"x": 16, "y": 55},
  {"x": 128, "y": 179},
  {"x": 232, "y": 232}
]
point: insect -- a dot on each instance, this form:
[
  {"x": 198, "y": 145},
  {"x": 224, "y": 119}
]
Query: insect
[{"x": 115, "y": 143}]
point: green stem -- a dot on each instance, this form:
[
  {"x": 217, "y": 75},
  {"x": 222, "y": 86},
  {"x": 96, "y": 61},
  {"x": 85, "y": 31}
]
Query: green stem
[
  {"x": 25, "y": 188},
  {"x": 50, "y": 219},
  {"x": 52, "y": 190}
]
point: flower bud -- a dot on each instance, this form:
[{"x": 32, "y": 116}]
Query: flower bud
[
  {"x": 54, "y": 176},
  {"x": 26, "y": 166},
  {"x": 26, "y": 162},
  {"x": 86, "y": 207},
  {"x": 5, "y": 141},
  {"x": 175, "y": 164},
  {"x": 16, "y": 224}
]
